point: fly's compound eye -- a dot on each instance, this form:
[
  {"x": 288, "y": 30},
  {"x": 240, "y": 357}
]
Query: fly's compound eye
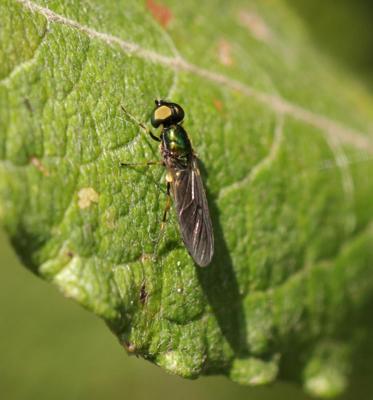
[{"x": 166, "y": 114}]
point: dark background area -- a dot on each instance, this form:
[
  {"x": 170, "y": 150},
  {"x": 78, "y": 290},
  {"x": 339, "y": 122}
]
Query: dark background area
[
  {"x": 50, "y": 348},
  {"x": 342, "y": 29}
]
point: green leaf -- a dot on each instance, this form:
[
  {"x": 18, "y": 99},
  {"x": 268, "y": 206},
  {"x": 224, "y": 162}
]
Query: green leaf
[{"x": 285, "y": 142}]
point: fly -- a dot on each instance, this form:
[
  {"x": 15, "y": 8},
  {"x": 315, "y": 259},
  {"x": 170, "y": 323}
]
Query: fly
[{"x": 183, "y": 180}]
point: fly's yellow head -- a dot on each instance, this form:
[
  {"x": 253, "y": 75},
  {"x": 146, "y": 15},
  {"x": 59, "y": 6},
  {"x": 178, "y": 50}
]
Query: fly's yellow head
[{"x": 166, "y": 114}]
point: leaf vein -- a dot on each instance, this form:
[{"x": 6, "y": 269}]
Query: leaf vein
[
  {"x": 264, "y": 163},
  {"x": 330, "y": 127},
  {"x": 347, "y": 181},
  {"x": 29, "y": 62}
]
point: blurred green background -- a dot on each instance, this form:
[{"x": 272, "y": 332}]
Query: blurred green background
[{"x": 50, "y": 348}]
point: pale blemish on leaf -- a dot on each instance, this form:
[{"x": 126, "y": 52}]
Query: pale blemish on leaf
[
  {"x": 255, "y": 24},
  {"x": 130, "y": 348},
  {"x": 225, "y": 53},
  {"x": 146, "y": 257},
  {"x": 218, "y": 104},
  {"x": 39, "y": 166},
  {"x": 87, "y": 196}
]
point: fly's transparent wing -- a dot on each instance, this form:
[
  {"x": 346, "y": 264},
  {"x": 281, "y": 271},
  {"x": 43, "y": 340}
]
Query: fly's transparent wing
[{"x": 193, "y": 213}]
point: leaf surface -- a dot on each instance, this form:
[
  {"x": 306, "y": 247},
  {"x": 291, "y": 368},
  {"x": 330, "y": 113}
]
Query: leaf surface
[{"x": 285, "y": 142}]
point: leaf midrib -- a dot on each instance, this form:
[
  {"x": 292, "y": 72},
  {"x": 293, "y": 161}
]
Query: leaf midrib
[{"x": 330, "y": 127}]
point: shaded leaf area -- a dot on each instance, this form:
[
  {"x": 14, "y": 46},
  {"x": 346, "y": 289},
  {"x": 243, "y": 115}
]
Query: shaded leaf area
[{"x": 287, "y": 178}]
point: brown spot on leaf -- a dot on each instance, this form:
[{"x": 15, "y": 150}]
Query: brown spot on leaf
[
  {"x": 39, "y": 166},
  {"x": 130, "y": 347},
  {"x": 70, "y": 254},
  {"x": 218, "y": 105},
  {"x": 87, "y": 196},
  {"x": 225, "y": 52},
  {"x": 255, "y": 24},
  {"x": 143, "y": 293},
  {"x": 28, "y": 105},
  {"x": 145, "y": 257},
  {"x": 160, "y": 12}
]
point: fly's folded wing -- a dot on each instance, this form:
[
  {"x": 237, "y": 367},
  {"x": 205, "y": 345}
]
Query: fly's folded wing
[{"x": 193, "y": 213}]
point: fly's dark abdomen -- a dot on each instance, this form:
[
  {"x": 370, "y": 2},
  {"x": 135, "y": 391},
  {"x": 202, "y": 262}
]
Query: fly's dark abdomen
[
  {"x": 193, "y": 213},
  {"x": 189, "y": 195}
]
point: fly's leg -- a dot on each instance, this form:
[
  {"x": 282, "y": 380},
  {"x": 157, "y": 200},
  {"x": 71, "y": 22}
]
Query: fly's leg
[
  {"x": 165, "y": 212},
  {"x": 141, "y": 125},
  {"x": 144, "y": 164},
  {"x": 164, "y": 218},
  {"x": 147, "y": 131},
  {"x": 167, "y": 208}
]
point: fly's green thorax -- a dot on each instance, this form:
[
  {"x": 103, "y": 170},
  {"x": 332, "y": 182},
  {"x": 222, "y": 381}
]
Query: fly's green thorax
[{"x": 175, "y": 140}]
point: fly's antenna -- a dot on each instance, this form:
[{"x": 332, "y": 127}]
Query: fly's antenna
[
  {"x": 140, "y": 124},
  {"x": 129, "y": 115}
]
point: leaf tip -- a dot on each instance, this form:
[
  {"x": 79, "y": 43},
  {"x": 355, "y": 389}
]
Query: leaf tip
[{"x": 253, "y": 371}]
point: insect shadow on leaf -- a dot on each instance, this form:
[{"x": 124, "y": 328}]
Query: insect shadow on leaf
[{"x": 220, "y": 279}]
